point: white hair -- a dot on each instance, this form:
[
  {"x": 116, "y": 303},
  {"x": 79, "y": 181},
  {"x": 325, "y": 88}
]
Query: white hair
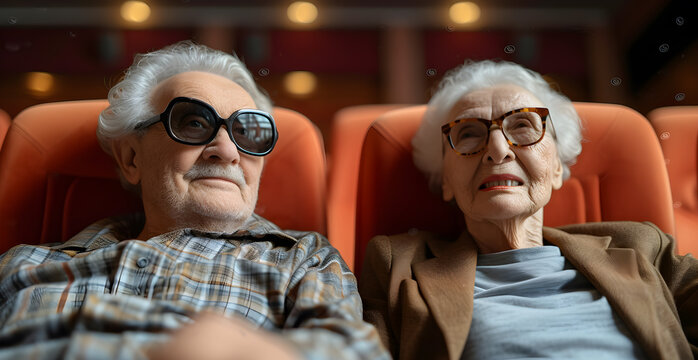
[
  {"x": 427, "y": 143},
  {"x": 129, "y": 100}
]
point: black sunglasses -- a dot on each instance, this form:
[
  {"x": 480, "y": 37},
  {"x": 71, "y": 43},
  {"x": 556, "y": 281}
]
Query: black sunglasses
[{"x": 194, "y": 122}]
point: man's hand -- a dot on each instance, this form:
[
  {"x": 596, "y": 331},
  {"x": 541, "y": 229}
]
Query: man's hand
[{"x": 213, "y": 337}]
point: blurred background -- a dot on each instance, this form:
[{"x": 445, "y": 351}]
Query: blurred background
[{"x": 319, "y": 56}]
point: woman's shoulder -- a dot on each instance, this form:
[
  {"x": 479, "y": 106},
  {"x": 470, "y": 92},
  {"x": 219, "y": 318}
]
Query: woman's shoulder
[
  {"x": 643, "y": 236},
  {"x": 411, "y": 239},
  {"x": 405, "y": 248},
  {"x": 619, "y": 228}
]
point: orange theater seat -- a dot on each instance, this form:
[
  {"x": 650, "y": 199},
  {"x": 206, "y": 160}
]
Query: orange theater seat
[
  {"x": 677, "y": 130},
  {"x": 5, "y": 122},
  {"x": 55, "y": 179},
  {"x": 349, "y": 127},
  {"x": 620, "y": 175}
]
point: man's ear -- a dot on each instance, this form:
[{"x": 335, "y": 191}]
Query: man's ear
[
  {"x": 557, "y": 174},
  {"x": 126, "y": 150}
]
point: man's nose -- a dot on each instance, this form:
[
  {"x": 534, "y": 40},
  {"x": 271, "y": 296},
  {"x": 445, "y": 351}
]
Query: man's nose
[
  {"x": 498, "y": 149},
  {"x": 222, "y": 148}
]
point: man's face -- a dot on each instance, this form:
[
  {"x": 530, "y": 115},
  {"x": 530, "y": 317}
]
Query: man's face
[{"x": 196, "y": 186}]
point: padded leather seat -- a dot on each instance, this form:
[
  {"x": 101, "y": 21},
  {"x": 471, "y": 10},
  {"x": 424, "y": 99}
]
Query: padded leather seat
[
  {"x": 5, "y": 122},
  {"x": 677, "y": 130},
  {"x": 349, "y": 127}
]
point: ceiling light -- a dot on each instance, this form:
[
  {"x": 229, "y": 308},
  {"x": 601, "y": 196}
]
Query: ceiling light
[
  {"x": 302, "y": 12},
  {"x": 300, "y": 82},
  {"x": 135, "y": 11},
  {"x": 39, "y": 83},
  {"x": 464, "y": 12}
]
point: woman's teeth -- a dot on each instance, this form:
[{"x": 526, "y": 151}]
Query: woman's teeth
[{"x": 500, "y": 183}]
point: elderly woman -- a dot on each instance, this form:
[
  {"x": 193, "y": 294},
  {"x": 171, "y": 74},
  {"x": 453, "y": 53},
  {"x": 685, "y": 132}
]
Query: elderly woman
[{"x": 497, "y": 140}]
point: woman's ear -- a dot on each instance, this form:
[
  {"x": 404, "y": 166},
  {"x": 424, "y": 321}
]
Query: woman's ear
[
  {"x": 126, "y": 150},
  {"x": 558, "y": 173},
  {"x": 446, "y": 190}
]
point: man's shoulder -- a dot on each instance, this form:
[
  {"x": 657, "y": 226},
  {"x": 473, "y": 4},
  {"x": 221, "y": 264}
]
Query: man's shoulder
[
  {"x": 107, "y": 232},
  {"x": 311, "y": 242},
  {"x": 100, "y": 234},
  {"x": 262, "y": 228},
  {"x": 310, "y": 247}
]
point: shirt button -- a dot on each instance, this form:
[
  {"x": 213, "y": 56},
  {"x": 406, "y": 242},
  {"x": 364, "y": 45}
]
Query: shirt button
[{"x": 142, "y": 262}]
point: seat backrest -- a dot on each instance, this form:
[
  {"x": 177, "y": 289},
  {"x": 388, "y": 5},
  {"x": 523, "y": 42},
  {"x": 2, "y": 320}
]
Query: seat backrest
[
  {"x": 349, "y": 127},
  {"x": 619, "y": 175},
  {"x": 55, "y": 179},
  {"x": 677, "y": 130},
  {"x": 5, "y": 122}
]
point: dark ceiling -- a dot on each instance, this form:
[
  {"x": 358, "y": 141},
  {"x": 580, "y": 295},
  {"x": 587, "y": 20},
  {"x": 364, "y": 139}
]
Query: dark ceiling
[
  {"x": 335, "y": 13},
  {"x": 605, "y": 4}
]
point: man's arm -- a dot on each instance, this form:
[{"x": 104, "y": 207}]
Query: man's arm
[
  {"x": 212, "y": 336},
  {"x": 106, "y": 326},
  {"x": 88, "y": 345},
  {"x": 324, "y": 310}
]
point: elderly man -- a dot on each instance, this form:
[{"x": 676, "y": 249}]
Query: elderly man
[{"x": 198, "y": 275}]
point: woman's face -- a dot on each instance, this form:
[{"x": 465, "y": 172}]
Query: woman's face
[{"x": 501, "y": 182}]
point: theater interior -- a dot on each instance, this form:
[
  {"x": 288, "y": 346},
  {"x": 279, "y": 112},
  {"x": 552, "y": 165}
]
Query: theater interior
[{"x": 323, "y": 57}]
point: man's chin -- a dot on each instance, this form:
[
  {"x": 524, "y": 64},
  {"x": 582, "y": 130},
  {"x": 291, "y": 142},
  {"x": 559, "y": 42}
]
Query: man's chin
[
  {"x": 221, "y": 212},
  {"x": 224, "y": 208}
]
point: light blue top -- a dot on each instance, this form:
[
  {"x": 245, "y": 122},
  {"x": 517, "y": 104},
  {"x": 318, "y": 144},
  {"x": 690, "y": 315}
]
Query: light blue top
[{"x": 532, "y": 303}]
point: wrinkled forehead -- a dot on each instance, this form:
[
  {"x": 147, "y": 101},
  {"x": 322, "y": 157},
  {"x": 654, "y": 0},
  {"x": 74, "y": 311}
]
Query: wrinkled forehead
[
  {"x": 492, "y": 102},
  {"x": 223, "y": 94}
]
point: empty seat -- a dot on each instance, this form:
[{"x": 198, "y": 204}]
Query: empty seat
[{"x": 677, "y": 130}]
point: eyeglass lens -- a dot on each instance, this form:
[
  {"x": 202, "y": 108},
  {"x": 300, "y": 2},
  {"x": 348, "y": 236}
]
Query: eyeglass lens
[
  {"x": 523, "y": 128},
  {"x": 196, "y": 124}
]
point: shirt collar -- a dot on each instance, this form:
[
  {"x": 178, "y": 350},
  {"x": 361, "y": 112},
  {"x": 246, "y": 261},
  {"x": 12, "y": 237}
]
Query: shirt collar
[
  {"x": 105, "y": 232},
  {"x": 255, "y": 226},
  {"x": 111, "y": 230}
]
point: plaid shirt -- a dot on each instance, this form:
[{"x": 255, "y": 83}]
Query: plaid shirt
[{"x": 96, "y": 296}]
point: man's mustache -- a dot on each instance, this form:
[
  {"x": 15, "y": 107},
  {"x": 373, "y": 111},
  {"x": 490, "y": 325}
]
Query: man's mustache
[{"x": 231, "y": 173}]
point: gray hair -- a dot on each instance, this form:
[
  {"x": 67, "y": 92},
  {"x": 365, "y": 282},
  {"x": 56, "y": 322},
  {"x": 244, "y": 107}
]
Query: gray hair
[
  {"x": 129, "y": 100},
  {"x": 427, "y": 144}
]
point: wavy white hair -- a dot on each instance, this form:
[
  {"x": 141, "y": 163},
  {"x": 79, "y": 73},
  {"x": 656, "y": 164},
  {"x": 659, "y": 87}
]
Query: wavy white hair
[
  {"x": 129, "y": 100},
  {"x": 428, "y": 145}
]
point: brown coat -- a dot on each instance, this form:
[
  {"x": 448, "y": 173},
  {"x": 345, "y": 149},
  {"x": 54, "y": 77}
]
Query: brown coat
[{"x": 417, "y": 288}]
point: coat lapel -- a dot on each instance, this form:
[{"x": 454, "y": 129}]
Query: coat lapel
[
  {"x": 446, "y": 282},
  {"x": 616, "y": 274}
]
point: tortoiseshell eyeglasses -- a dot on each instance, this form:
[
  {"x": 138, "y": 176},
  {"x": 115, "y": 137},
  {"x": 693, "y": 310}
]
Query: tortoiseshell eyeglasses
[{"x": 521, "y": 127}]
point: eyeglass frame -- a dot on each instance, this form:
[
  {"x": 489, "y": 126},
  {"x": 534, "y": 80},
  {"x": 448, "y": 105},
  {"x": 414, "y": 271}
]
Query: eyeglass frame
[
  {"x": 165, "y": 116},
  {"x": 544, "y": 113}
]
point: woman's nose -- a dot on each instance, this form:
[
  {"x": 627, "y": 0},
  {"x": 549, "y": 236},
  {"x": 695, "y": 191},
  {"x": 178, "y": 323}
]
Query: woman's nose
[{"x": 498, "y": 149}]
